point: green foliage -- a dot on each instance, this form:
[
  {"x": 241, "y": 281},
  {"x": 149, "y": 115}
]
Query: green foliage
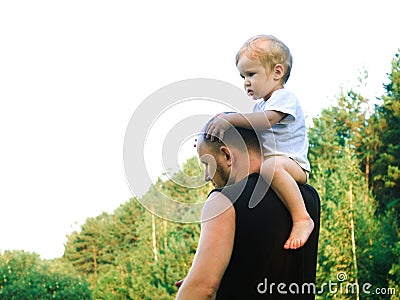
[
  {"x": 353, "y": 153},
  {"x": 345, "y": 203},
  {"x": 24, "y": 276},
  {"x": 96, "y": 247},
  {"x": 386, "y": 171}
]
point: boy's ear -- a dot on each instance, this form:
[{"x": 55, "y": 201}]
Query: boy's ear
[{"x": 279, "y": 70}]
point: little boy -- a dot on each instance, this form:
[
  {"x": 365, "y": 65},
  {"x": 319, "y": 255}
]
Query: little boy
[{"x": 264, "y": 63}]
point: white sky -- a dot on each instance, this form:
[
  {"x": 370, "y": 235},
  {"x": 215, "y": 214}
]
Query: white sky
[{"x": 73, "y": 72}]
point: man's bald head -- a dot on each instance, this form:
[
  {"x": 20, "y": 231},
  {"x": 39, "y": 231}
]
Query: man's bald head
[{"x": 231, "y": 158}]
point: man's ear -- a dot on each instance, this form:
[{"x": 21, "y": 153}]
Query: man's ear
[
  {"x": 227, "y": 154},
  {"x": 279, "y": 71}
]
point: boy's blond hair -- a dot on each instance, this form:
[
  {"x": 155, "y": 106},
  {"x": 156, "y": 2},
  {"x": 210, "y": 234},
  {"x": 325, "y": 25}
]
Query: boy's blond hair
[{"x": 269, "y": 51}]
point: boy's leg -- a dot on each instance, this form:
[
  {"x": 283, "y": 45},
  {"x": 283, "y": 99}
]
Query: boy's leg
[{"x": 284, "y": 173}]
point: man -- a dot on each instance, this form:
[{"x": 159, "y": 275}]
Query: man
[{"x": 240, "y": 253}]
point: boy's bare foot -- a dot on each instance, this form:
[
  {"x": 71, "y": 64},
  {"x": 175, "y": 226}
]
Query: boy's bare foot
[{"x": 301, "y": 231}]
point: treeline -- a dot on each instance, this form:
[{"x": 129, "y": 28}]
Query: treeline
[
  {"x": 24, "y": 276},
  {"x": 133, "y": 254},
  {"x": 355, "y": 152}
]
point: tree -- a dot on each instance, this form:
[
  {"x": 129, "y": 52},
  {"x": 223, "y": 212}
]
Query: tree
[
  {"x": 24, "y": 276},
  {"x": 349, "y": 228},
  {"x": 353, "y": 238},
  {"x": 386, "y": 170}
]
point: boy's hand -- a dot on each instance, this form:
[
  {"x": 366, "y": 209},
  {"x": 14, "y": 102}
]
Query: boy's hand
[{"x": 218, "y": 126}]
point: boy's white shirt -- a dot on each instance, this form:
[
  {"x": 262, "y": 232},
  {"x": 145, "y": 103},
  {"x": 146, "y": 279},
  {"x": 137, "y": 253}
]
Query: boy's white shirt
[{"x": 289, "y": 136}]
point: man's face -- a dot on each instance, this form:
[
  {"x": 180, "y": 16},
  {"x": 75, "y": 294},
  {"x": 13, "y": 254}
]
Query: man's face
[{"x": 216, "y": 167}]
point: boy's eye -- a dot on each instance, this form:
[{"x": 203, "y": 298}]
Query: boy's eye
[
  {"x": 241, "y": 76},
  {"x": 251, "y": 74}
]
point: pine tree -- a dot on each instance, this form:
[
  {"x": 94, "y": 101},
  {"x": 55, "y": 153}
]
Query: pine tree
[
  {"x": 353, "y": 239},
  {"x": 386, "y": 170}
]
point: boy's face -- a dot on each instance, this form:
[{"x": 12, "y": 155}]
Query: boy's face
[{"x": 257, "y": 83}]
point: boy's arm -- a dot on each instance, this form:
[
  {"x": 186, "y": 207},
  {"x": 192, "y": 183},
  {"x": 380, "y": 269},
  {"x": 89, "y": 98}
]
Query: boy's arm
[
  {"x": 255, "y": 120},
  {"x": 213, "y": 252}
]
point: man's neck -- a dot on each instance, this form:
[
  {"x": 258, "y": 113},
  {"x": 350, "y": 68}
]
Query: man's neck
[{"x": 244, "y": 170}]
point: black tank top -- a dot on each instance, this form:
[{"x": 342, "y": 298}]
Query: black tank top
[{"x": 259, "y": 263}]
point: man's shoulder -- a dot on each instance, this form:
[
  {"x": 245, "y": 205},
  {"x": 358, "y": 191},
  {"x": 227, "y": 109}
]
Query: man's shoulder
[
  {"x": 238, "y": 188},
  {"x": 248, "y": 192},
  {"x": 253, "y": 189}
]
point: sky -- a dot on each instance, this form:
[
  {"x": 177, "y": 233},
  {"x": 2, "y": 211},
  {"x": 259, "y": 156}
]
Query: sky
[{"x": 72, "y": 74}]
